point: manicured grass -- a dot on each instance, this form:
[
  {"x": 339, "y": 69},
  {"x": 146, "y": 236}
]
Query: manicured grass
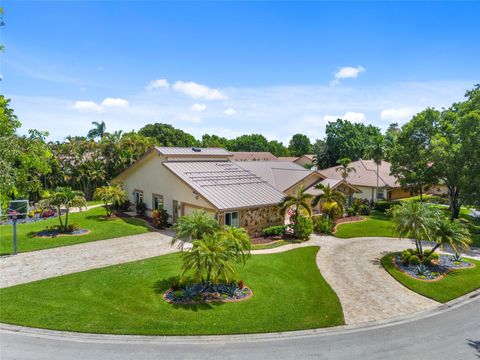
[
  {"x": 274, "y": 245},
  {"x": 94, "y": 202},
  {"x": 377, "y": 224},
  {"x": 93, "y": 220},
  {"x": 456, "y": 283},
  {"x": 289, "y": 294}
]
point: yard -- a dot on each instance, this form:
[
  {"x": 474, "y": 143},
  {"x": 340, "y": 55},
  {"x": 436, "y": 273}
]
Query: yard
[
  {"x": 93, "y": 220},
  {"x": 456, "y": 283},
  {"x": 289, "y": 294},
  {"x": 377, "y": 224}
]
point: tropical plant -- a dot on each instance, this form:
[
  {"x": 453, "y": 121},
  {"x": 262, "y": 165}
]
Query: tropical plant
[
  {"x": 344, "y": 167},
  {"x": 422, "y": 270},
  {"x": 193, "y": 226},
  {"x": 299, "y": 201},
  {"x": 322, "y": 225},
  {"x": 63, "y": 197},
  {"x": 415, "y": 220},
  {"x": 376, "y": 151},
  {"x": 332, "y": 202},
  {"x": 303, "y": 228},
  {"x": 213, "y": 257},
  {"x": 112, "y": 196},
  {"x": 97, "y": 131},
  {"x": 451, "y": 233}
]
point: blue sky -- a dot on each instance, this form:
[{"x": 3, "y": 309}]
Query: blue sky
[{"x": 234, "y": 67}]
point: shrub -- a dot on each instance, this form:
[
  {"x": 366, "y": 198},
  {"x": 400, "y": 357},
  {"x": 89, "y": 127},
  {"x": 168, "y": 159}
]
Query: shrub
[
  {"x": 31, "y": 214},
  {"x": 160, "y": 218},
  {"x": 322, "y": 225},
  {"x": 141, "y": 208},
  {"x": 383, "y": 205},
  {"x": 241, "y": 284},
  {"x": 48, "y": 213},
  {"x": 360, "y": 207},
  {"x": 73, "y": 227},
  {"x": 303, "y": 228},
  {"x": 273, "y": 230},
  {"x": 414, "y": 260}
]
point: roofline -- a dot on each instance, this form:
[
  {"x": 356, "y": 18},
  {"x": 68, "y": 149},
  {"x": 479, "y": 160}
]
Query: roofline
[
  {"x": 227, "y": 153},
  {"x": 135, "y": 163},
  {"x": 299, "y": 181}
]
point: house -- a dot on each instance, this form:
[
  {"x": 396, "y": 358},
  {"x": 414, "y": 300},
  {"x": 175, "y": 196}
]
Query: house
[
  {"x": 182, "y": 180},
  {"x": 299, "y": 160},
  {"x": 364, "y": 178},
  {"x": 252, "y": 156}
]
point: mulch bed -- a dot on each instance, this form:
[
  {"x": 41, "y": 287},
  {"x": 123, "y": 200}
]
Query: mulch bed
[
  {"x": 55, "y": 233},
  {"x": 347, "y": 219},
  {"x": 209, "y": 295}
]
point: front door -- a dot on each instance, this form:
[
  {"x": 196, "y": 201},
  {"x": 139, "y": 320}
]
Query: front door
[{"x": 175, "y": 211}]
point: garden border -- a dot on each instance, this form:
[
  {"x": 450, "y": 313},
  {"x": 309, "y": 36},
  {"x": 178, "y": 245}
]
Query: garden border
[
  {"x": 164, "y": 296},
  {"x": 364, "y": 218},
  {"x": 60, "y": 235}
]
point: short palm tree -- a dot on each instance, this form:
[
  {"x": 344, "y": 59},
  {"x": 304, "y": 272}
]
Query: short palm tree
[
  {"x": 345, "y": 168},
  {"x": 452, "y": 233},
  {"x": 330, "y": 200},
  {"x": 97, "y": 131},
  {"x": 300, "y": 202},
  {"x": 239, "y": 240},
  {"x": 193, "y": 226},
  {"x": 415, "y": 220},
  {"x": 111, "y": 195},
  {"x": 376, "y": 151},
  {"x": 63, "y": 197}
]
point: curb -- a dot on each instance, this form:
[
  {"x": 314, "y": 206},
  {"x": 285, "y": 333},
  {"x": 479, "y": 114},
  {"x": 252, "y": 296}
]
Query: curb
[{"x": 240, "y": 338}]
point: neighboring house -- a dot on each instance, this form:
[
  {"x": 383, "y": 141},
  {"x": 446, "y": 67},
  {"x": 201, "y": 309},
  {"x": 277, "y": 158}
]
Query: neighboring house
[
  {"x": 364, "y": 178},
  {"x": 302, "y": 160},
  {"x": 252, "y": 156},
  {"x": 185, "y": 179},
  {"x": 287, "y": 158}
]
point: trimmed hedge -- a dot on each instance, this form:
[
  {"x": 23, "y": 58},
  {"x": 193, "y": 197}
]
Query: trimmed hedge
[{"x": 274, "y": 230}]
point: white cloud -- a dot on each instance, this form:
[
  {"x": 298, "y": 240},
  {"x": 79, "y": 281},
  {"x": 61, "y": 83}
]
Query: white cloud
[
  {"x": 355, "y": 117},
  {"x": 400, "y": 114},
  {"x": 230, "y": 111},
  {"x": 115, "y": 102},
  {"x": 198, "y": 107},
  {"x": 346, "y": 73},
  {"x": 86, "y": 106},
  {"x": 158, "y": 84},
  {"x": 191, "y": 118},
  {"x": 198, "y": 91},
  {"x": 321, "y": 121}
]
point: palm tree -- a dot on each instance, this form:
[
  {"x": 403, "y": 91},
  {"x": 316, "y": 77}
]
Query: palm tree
[
  {"x": 192, "y": 227},
  {"x": 97, "y": 131},
  {"x": 329, "y": 199},
  {"x": 212, "y": 258},
  {"x": 416, "y": 220},
  {"x": 344, "y": 167},
  {"x": 63, "y": 197},
  {"x": 376, "y": 151},
  {"x": 452, "y": 233},
  {"x": 111, "y": 195},
  {"x": 300, "y": 201}
]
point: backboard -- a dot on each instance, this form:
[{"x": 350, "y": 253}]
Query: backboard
[{"x": 17, "y": 208}]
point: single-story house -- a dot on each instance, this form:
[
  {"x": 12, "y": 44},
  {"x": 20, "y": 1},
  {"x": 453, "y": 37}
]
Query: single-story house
[
  {"x": 364, "y": 178},
  {"x": 300, "y": 160},
  {"x": 182, "y": 180},
  {"x": 252, "y": 156}
]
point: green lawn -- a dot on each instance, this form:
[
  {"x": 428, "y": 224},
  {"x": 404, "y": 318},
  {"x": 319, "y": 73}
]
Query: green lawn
[
  {"x": 275, "y": 244},
  {"x": 454, "y": 284},
  {"x": 289, "y": 294},
  {"x": 377, "y": 224},
  {"x": 92, "y": 219}
]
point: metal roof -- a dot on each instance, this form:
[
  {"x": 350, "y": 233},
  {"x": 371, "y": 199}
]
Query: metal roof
[
  {"x": 191, "y": 151},
  {"x": 225, "y": 184},
  {"x": 252, "y": 156}
]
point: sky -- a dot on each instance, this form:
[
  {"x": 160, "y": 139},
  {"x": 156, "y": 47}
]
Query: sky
[{"x": 229, "y": 68}]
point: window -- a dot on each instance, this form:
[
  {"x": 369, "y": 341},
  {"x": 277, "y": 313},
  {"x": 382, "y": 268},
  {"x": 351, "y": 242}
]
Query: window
[
  {"x": 138, "y": 196},
  {"x": 380, "y": 194},
  {"x": 231, "y": 219},
  {"x": 157, "y": 201}
]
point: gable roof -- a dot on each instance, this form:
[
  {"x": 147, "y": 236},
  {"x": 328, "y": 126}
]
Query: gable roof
[
  {"x": 225, "y": 184},
  {"x": 191, "y": 151},
  {"x": 280, "y": 174},
  {"x": 307, "y": 156},
  {"x": 333, "y": 183},
  {"x": 365, "y": 174},
  {"x": 287, "y": 158},
  {"x": 252, "y": 156}
]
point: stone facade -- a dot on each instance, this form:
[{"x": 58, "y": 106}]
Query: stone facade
[{"x": 255, "y": 219}]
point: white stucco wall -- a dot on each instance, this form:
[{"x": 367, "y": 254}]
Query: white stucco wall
[
  {"x": 152, "y": 177},
  {"x": 367, "y": 192}
]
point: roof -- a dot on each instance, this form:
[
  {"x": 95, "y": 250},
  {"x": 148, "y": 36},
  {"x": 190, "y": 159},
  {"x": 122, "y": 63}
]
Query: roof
[
  {"x": 225, "y": 184},
  {"x": 365, "y": 174},
  {"x": 287, "y": 158},
  {"x": 191, "y": 151},
  {"x": 280, "y": 174},
  {"x": 332, "y": 183},
  {"x": 252, "y": 156},
  {"x": 308, "y": 156}
]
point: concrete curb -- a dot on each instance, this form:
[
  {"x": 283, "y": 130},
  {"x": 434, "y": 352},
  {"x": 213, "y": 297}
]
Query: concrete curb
[{"x": 240, "y": 338}]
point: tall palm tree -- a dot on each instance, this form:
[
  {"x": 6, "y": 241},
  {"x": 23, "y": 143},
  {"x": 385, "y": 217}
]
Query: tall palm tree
[
  {"x": 415, "y": 220},
  {"x": 329, "y": 198},
  {"x": 97, "y": 131},
  {"x": 300, "y": 201},
  {"x": 376, "y": 151},
  {"x": 344, "y": 167},
  {"x": 192, "y": 227},
  {"x": 452, "y": 233}
]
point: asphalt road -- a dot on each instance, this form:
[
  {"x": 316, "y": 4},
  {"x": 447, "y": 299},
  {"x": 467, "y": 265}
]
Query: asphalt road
[{"x": 451, "y": 334}]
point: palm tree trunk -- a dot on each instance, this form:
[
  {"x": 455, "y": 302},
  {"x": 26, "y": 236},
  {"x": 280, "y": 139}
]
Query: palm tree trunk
[
  {"x": 59, "y": 214},
  {"x": 377, "y": 181}
]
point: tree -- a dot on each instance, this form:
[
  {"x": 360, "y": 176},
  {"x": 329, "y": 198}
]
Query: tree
[
  {"x": 391, "y": 136},
  {"x": 300, "y": 145},
  {"x": 212, "y": 258},
  {"x": 299, "y": 201},
  {"x": 451, "y": 233},
  {"x": 277, "y": 148},
  {"x": 193, "y": 227},
  {"x": 167, "y": 135},
  {"x": 214, "y": 141},
  {"x": 345, "y": 167},
  {"x": 320, "y": 154},
  {"x": 331, "y": 201},
  {"x": 63, "y": 197},
  {"x": 112, "y": 195},
  {"x": 97, "y": 131},
  {"x": 376, "y": 151},
  {"x": 415, "y": 220},
  {"x": 253, "y": 142}
]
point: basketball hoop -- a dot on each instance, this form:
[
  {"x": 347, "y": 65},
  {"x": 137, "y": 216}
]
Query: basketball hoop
[{"x": 16, "y": 209}]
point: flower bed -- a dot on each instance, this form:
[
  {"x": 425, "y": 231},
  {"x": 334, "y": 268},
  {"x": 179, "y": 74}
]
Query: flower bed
[
  {"x": 49, "y": 233},
  {"x": 435, "y": 271},
  {"x": 205, "y": 293}
]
